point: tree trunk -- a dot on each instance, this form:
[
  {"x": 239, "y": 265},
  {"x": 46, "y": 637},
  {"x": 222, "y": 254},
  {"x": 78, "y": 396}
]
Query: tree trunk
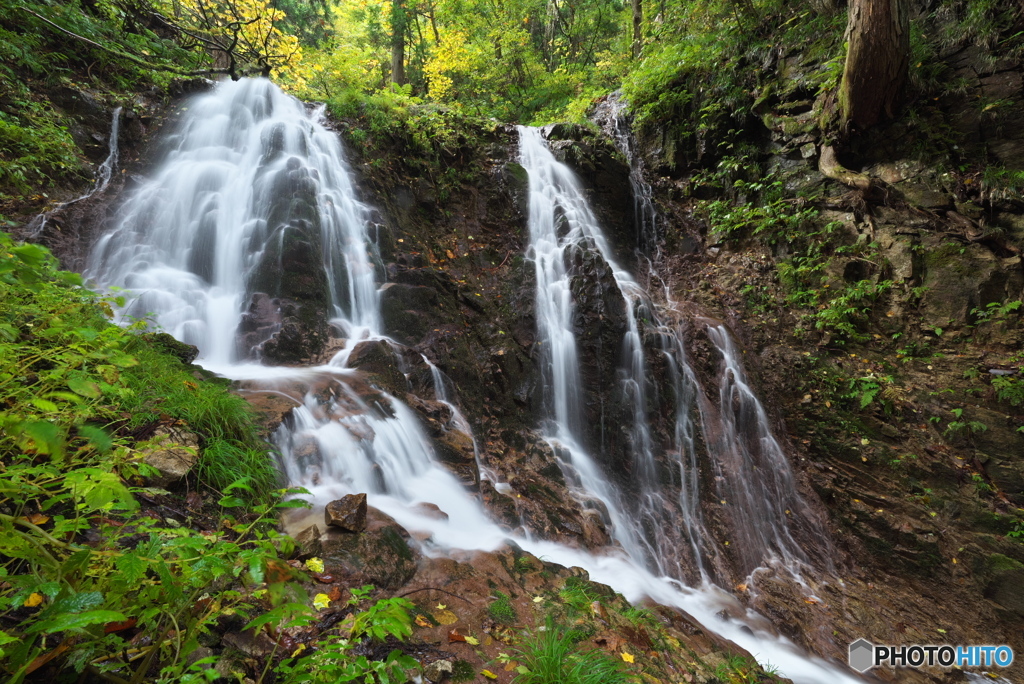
[
  {"x": 638, "y": 20},
  {"x": 877, "y": 61},
  {"x": 398, "y": 25}
]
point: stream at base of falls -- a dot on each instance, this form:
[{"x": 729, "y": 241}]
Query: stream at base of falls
[{"x": 253, "y": 179}]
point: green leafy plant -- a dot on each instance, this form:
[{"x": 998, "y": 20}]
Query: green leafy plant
[
  {"x": 552, "y": 656},
  {"x": 333, "y": 658},
  {"x": 501, "y": 609}
]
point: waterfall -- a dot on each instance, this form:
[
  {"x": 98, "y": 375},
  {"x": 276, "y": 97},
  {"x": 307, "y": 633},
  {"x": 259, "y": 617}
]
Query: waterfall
[
  {"x": 756, "y": 492},
  {"x": 248, "y": 170},
  {"x": 249, "y": 167},
  {"x": 103, "y": 175}
]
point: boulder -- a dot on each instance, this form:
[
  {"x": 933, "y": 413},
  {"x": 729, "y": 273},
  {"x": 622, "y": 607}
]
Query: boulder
[
  {"x": 173, "y": 453},
  {"x": 308, "y": 541},
  {"x": 379, "y": 555},
  {"x": 377, "y": 357},
  {"x": 437, "y": 671},
  {"x": 455, "y": 451},
  {"x": 347, "y": 513},
  {"x": 186, "y": 353}
]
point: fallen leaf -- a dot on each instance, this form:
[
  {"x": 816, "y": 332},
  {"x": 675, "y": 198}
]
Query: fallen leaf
[
  {"x": 628, "y": 657},
  {"x": 454, "y": 637},
  {"x": 422, "y": 621},
  {"x": 446, "y": 617},
  {"x": 449, "y": 254},
  {"x": 334, "y": 594},
  {"x": 472, "y": 641},
  {"x": 321, "y": 601},
  {"x": 441, "y": 606},
  {"x": 488, "y": 674},
  {"x": 315, "y": 565},
  {"x": 300, "y": 649},
  {"x": 33, "y": 600},
  {"x": 741, "y": 587},
  {"x": 37, "y": 518},
  {"x": 112, "y": 627}
]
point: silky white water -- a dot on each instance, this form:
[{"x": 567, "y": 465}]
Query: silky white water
[
  {"x": 189, "y": 241},
  {"x": 186, "y": 243}
]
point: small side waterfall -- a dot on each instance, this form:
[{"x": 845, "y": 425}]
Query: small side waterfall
[
  {"x": 250, "y": 170},
  {"x": 103, "y": 174}
]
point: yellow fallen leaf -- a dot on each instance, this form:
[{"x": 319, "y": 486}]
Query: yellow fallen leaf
[
  {"x": 446, "y": 617},
  {"x": 472, "y": 641},
  {"x": 538, "y": 599},
  {"x": 441, "y": 606},
  {"x": 300, "y": 649},
  {"x": 315, "y": 565},
  {"x": 422, "y": 621},
  {"x": 321, "y": 601},
  {"x": 488, "y": 674},
  {"x": 33, "y": 600},
  {"x": 628, "y": 657}
]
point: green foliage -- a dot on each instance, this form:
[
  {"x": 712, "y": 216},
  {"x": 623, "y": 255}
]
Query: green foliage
[
  {"x": 1009, "y": 389},
  {"x": 332, "y": 659},
  {"x": 84, "y": 575},
  {"x": 995, "y": 311},
  {"x": 552, "y": 656},
  {"x": 963, "y": 428},
  {"x": 501, "y": 609},
  {"x": 75, "y": 384},
  {"x": 577, "y": 595}
]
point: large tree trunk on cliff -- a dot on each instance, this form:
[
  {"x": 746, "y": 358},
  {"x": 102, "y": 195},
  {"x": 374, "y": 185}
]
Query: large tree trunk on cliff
[
  {"x": 638, "y": 20},
  {"x": 398, "y": 26},
  {"x": 878, "y": 33}
]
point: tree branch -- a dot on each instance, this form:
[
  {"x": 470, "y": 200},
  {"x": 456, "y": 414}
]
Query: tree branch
[{"x": 123, "y": 55}]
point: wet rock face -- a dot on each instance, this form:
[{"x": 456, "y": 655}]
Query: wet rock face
[
  {"x": 599, "y": 324},
  {"x": 605, "y": 174},
  {"x": 290, "y": 269},
  {"x": 378, "y": 358}
]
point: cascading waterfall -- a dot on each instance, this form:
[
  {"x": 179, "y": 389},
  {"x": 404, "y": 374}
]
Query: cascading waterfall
[
  {"x": 755, "y": 487},
  {"x": 190, "y": 243},
  {"x": 248, "y": 169}
]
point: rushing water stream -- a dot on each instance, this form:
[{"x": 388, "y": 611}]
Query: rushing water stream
[{"x": 249, "y": 167}]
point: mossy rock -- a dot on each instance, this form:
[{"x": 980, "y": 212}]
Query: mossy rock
[{"x": 186, "y": 353}]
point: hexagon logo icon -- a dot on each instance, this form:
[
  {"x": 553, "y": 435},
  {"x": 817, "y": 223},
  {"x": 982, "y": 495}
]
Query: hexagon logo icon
[{"x": 862, "y": 655}]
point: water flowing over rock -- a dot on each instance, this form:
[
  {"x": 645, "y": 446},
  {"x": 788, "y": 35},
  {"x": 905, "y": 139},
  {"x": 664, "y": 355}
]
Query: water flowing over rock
[
  {"x": 253, "y": 209},
  {"x": 249, "y": 241},
  {"x": 754, "y": 498}
]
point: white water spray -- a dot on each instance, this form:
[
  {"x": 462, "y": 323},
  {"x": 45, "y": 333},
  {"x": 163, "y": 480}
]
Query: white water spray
[{"x": 248, "y": 165}]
